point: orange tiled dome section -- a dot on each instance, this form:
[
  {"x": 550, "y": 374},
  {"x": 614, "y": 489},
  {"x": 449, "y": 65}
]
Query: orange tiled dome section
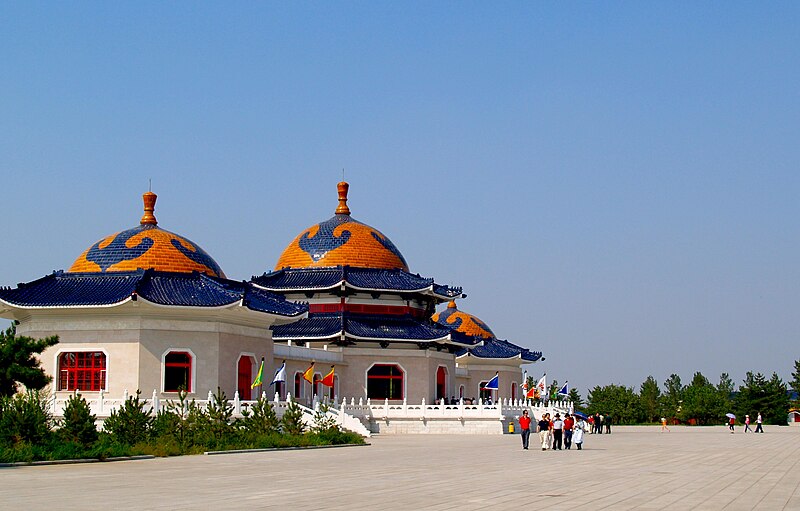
[
  {"x": 342, "y": 241},
  {"x": 148, "y": 247},
  {"x": 462, "y": 322}
]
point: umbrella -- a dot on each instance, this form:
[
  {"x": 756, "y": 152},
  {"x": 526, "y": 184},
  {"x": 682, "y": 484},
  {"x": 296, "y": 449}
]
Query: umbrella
[
  {"x": 581, "y": 415},
  {"x": 730, "y": 416}
]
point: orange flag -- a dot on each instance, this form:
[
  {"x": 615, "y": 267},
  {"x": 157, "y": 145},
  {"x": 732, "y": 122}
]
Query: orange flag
[
  {"x": 328, "y": 380},
  {"x": 309, "y": 374}
]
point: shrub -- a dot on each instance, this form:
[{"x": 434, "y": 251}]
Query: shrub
[
  {"x": 78, "y": 424},
  {"x": 292, "y": 420},
  {"x": 261, "y": 418},
  {"x": 24, "y": 418},
  {"x": 130, "y": 424}
]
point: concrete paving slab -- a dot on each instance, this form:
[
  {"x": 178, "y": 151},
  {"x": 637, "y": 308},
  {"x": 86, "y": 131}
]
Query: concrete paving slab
[{"x": 633, "y": 468}]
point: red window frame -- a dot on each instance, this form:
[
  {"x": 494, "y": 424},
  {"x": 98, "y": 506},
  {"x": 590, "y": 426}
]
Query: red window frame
[
  {"x": 82, "y": 370},
  {"x": 393, "y": 378},
  {"x": 176, "y": 365}
]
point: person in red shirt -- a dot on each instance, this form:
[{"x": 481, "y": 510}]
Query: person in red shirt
[
  {"x": 569, "y": 422},
  {"x": 525, "y": 427}
]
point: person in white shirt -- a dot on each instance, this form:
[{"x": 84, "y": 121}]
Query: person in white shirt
[{"x": 558, "y": 432}]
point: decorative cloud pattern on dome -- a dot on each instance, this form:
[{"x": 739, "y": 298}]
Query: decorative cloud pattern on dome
[
  {"x": 117, "y": 251},
  {"x": 323, "y": 239},
  {"x": 463, "y": 322},
  {"x": 342, "y": 241},
  {"x": 146, "y": 246}
]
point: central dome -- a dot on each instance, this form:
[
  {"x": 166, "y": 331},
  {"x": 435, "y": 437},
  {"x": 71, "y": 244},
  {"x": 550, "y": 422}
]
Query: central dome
[
  {"x": 146, "y": 246},
  {"x": 342, "y": 241}
]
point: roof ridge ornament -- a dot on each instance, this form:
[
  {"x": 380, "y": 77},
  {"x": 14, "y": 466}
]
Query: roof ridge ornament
[
  {"x": 149, "y": 218},
  {"x": 343, "y": 187}
]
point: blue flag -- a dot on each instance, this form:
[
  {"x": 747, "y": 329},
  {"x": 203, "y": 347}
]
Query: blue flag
[
  {"x": 493, "y": 383},
  {"x": 280, "y": 374},
  {"x": 564, "y": 390}
]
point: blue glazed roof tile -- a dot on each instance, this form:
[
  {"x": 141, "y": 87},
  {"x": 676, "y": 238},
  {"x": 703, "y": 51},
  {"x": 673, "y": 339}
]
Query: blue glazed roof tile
[
  {"x": 500, "y": 349},
  {"x": 172, "y": 289},
  {"x": 294, "y": 279},
  {"x": 368, "y": 327}
]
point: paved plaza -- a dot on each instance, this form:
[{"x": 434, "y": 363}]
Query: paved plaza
[{"x": 634, "y": 468}]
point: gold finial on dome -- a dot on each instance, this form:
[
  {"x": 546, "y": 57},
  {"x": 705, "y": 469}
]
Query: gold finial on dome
[
  {"x": 342, "y": 209},
  {"x": 149, "y": 218},
  {"x": 451, "y": 304}
]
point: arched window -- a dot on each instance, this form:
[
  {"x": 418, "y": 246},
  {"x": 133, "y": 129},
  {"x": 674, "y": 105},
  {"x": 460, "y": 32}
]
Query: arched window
[
  {"x": 332, "y": 390},
  {"x": 317, "y": 385},
  {"x": 177, "y": 371},
  {"x": 82, "y": 370},
  {"x": 461, "y": 392},
  {"x": 485, "y": 394},
  {"x": 385, "y": 381},
  {"x": 514, "y": 390},
  {"x": 298, "y": 385},
  {"x": 280, "y": 389}
]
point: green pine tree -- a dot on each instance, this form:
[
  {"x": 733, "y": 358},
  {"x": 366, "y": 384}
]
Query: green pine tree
[
  {"x": 292, "y": 420},
  {"x": 130, "y": 424},
  {"x": 261, "y": 418},
  {"x": 18, "y": 363},
  {"x": 78, "y": 424},
  {"x": 650, "y": 397}
]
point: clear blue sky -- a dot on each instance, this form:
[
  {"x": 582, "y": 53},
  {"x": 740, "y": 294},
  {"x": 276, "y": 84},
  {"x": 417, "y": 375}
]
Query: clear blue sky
[{"x": 614, "y": 184}]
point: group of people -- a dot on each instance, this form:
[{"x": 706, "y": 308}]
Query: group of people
[
  {"x": 759, "y": 429},
  {"x": 599, "y": 421},
  {"x": 554, "y": 433}
]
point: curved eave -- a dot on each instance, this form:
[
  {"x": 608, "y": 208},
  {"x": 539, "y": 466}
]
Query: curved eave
[
  {"x": 428, "y": 290},
  {"x": 15, "y": 306},
  {"x": 504, "y": 359},
  {"x": 445, "y": 339},
  {"x": 234, "y": 306}
]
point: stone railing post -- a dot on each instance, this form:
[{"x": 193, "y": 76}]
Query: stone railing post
[
  {"x": 423, "y": 408},
  {"x": 386, "y": 408},
  {"x": 100, "y": 402},
  {"x": 237, "y": 405},
  {"x": 125, "y": 395},
  {"x": 154, "y": 405}
]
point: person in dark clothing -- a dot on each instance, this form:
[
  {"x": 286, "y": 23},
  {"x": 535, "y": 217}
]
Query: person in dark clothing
[
  {"x": 544, "y": 431},
  {"x": 607, "y": 423},
  {"x": 558, "y": 430}
]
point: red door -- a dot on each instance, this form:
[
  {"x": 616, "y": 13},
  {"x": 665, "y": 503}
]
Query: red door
[
  {"x": 245, "y": 378},
  {"x": 441, "y": 383}
]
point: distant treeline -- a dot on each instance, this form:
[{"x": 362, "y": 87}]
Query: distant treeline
[{"x": 700, "y": 402}]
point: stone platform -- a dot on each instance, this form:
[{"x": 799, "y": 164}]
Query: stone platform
[{"x": 633, "y": 468}]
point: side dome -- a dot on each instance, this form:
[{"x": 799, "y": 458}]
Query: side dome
[
  {"x": 146, "y": 246},
  {"x": 342, "y": 241},
  {"x": 462, "y": 322}
]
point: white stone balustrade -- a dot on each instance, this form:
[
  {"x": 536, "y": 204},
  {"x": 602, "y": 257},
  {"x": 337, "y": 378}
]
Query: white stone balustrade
[{"x": 362, "y": 417}]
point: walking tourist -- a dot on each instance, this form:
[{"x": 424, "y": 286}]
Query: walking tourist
[
  {"x": 664, "y": 424},
  {"x": 569, "y": 422},
  {"x": 607, "y": 422},
  {"x": 525, "y": 427},
  {"x": 759, "y": 429},
  {"x": 731, "y": 422},
  {"x": 747, "y": 424},
  {"x": 544, "y": 430},
  {"x": 591, "y": 424},
  {"x": 577, "y": 436},
  {"x": 558, "y": 432}
]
